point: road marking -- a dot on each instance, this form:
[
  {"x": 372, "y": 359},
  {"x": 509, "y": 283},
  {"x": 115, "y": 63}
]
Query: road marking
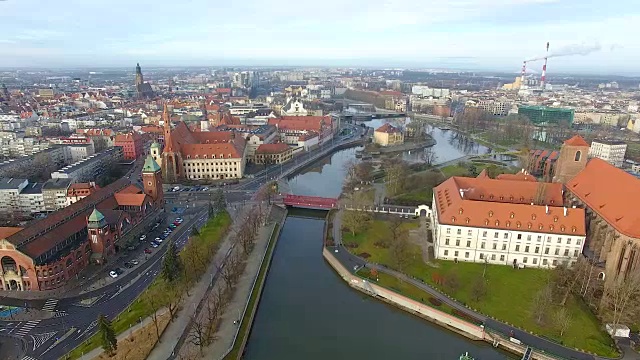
[
  {"x": 29, "y": 358},
  {"x": 50, "y": 305},
  {"x": 93, "y": 324},
  {"x": 58, "y": 314},
  {"x": 40, "y": 339},
  {"x": 27, "y": 327}
]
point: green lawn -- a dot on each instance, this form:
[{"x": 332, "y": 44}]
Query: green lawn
[
  {"x": 455, "y": 170},
  {"x": 246, "y": 320},
  {"x": 377, "y": 230},
  {"x": 419, "y": 196},
  {"x": 509, "y": 298},
  {"x": 211, "y": 234}
]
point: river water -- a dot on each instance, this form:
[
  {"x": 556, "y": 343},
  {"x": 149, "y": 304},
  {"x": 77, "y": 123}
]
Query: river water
[{"x": 308, "y": 312}]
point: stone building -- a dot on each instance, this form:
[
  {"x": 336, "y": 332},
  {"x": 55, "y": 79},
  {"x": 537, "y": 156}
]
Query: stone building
[{"x": 572, "y": 159}]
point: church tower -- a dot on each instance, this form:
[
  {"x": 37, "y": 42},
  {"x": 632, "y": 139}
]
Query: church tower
[
  {"x": 171, "y": 157},
  {"x": 101, "y": 239},
  {"x": 4, "y": 93},
  {"x": 152, "y": 180},
  {"x": 139, "y": 78},
  {"x": 572, "y": 159}
]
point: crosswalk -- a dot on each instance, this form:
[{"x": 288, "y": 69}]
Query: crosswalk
[
  {"x": 24, "y": 330},
  {"x": 28, "y": 358},
  {"x": 50, "y": 305},
  {"x": 58, "y": 314}
]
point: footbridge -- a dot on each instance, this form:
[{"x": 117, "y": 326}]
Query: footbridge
[
  {"x": 422, "y": 210},
  {"x": 310, "y": 202}
]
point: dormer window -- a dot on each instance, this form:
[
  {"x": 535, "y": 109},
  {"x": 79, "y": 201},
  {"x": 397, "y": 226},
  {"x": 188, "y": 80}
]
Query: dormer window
[
  {"x": 511, "y": 198},
  {"x": 486, "y": 221},
  {"x": 460, "y": 211},
  {"x": 467, "y": 220},
  {"x": 518, "y": 224},
  {"x": 551, "y": 227},
  {"x": 481, "y": 196},
  {"x": 497, "y": 222},
  {"x": 501, "y": 197},
  {"x": 529, "y": 225},
  {"x": 540, "y": 226},
  {"x": 533, "y": 216},
  {"x": 512, "y": 215},
  {"x": 562, "y": 228},
  {"x": 555, "y": 219},
  {"x": 574, "y": 229},
  {"x": 490, "y": 213},
  {"x": 453, "y": 219},
  {"x": 491, "y": 197},
  {"x": 508, "y": 223}
]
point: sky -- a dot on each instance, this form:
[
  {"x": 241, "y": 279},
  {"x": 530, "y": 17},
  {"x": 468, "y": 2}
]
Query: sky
[{"x": 492, "y": 35}]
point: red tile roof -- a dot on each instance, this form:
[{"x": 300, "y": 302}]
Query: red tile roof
[
  {"x": 517, "y": 177},
  {"x": 388, "y": 128},
  {"x": 6, "y": 231},
  {"x": 127, "y": 138},
  {"x": 272, "y": 148},
  {"x": 577, "y": 140},
  {"x": 466, "y": 210},
  {"x": 510, "y": 191},
  {"x": 128, "y": 199},
  {"x": 610, "y": 192}
]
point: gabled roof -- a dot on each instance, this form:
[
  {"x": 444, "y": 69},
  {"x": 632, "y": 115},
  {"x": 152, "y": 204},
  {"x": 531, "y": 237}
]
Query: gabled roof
[
  {"x": 388, "y": 128},
  {"x": 577, "y": 140},
  {"x": 610, "y": 192},
  {"x": 272, "y": 148},
  {"x": 129, "y": 199}
]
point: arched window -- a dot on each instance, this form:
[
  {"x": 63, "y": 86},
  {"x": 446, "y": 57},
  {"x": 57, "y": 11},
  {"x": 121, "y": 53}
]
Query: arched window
[{"x": 578, "y": 155}]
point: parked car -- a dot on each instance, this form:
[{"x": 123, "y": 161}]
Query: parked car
[
  {"x": 118, "y": 271},
  {"x": 128, "y": 265},
  {"x": 135, "y": 262},
  {"x": 113, "y": 274},
  {"x": 142, "y": 237},
  {"x": 147, "y": 251},
  {"x": 154, "y": 245}
]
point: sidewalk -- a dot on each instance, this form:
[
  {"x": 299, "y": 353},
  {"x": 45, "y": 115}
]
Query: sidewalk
[
  {"x": 227, "y": 329},
  {"x": 174, "y": 331}
]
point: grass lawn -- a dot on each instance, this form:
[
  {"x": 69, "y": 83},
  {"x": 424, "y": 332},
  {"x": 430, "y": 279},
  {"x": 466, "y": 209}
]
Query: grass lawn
[
  {"x": 247, "y": 318},
  {"x": 423, "y": 196},
  {"x": 211, "y": 234},
  {"x": 455, "y": 170},
  {"x": 509, "y": 298},
  {"x": 377, "y": 230}
]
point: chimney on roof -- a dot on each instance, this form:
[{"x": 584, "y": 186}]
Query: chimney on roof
[
  {"x": 565, "y": 211},
  {"x": 546, "y": 209},
  {"x": 462, "y": 193}
]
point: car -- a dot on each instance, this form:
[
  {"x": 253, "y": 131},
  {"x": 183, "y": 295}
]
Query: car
[
  {"x": 154, "y": 245},
  {"x": 118, "y": 271},
  {"x": 158, "y": 239},
  {"x": 142, "y": 237},
  {"x": 113, "y": 274},
  {"x": 147, "y": 251},
  {"x": 179, "y": 219},
  {"x": 128, "y": 265},
  {"x": 173, "y": 226},
  {"x": 164, "y": 236},
  {"x": 135, "y": 262}
]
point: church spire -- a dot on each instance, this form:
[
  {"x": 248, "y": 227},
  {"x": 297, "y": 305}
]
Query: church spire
[{"x": 166, "y": 118}]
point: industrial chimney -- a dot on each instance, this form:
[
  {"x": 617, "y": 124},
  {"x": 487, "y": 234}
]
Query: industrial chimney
[{"x": 543, "y": 78}]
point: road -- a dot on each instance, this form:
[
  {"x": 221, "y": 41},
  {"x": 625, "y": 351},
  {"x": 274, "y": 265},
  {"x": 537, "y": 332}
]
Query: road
[{"x": 39, "y": 336}]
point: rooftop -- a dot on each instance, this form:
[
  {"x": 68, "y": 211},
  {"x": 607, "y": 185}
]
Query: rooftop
[
  {"x": 609, "y": 142},
  {"x": 10, "y": 183}
]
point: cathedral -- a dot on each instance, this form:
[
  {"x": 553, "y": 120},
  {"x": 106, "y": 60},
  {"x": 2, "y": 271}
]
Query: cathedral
[{"x": 143, "y": 89}]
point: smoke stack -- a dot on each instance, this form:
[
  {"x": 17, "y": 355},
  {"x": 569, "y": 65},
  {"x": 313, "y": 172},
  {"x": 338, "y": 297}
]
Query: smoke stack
[
  {"x": 462, "y": 193},
  {"x": 543, "y": 78},
  {"x": 523, "y": 73}
]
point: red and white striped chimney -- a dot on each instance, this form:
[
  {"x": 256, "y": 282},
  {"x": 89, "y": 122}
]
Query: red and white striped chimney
[
  {"x": 543, "y": 78},
  {"x": 523, "y": 73}
]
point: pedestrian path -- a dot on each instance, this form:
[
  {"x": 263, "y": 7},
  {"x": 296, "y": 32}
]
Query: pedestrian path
[
  {"x": 24, "y": 330},
  {"x": 50, "y": 305}
]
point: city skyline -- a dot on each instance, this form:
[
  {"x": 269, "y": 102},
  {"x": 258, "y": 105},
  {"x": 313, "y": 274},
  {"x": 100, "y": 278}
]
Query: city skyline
[{"x": 477, "y": 34}]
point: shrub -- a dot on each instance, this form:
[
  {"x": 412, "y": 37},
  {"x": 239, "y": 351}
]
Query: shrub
[{"x": 435, "y": 302}]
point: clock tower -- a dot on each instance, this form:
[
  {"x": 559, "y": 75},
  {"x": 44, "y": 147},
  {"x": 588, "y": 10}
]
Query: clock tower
[{"x": 152, "y": 179}]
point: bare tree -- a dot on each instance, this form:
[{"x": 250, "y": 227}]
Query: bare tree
[
  {"x": 396, "y": 175},
  {"x": 479, "y": 289},
  {"x": 562, "y": 320},
  {"x": 543, "y": 298},
  {"x": 154, "y": 298},
  {"x": 622, "y": 296},
  {"x": 197, "y": 334},
  {"x": 400, "y": 254},
  {"x": 428, "y": 156}
]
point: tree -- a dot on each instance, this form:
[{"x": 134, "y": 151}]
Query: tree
[
  {"x": 356, "y": 220},
  {"x": 428, "y": 156},
  {"x": 398, "y": 232},
  {"x": 395, "y": 177},
  {"x": 107, "y": 335},
  {"x": 479, "y": 289},
  {"x": 171, "y": 265},
  {"x": 622, "y": 297},
  {"x": 562, "y": 320},
  {"x": 155, "y": 297},
  {"x": 542, "y": 300},
  {"x": 195, "y": 232},
  {"x": 452, "y": 282},
  {"x": 219, "y": 201},
  {"x": 400, "y": 254},
  {"x": 197, "y": 335}
]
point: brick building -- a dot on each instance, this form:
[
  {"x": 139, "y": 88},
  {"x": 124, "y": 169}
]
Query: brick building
[
  {"x": 132, "y": 145},
  {"x": 53, "y": 250}
]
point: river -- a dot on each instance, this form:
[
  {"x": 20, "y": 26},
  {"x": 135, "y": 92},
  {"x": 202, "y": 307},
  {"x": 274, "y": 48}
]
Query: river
[{"x": 308, "y": 312}]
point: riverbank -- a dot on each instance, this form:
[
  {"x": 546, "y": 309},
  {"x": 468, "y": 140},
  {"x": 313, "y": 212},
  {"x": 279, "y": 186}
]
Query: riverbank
[
  {"x": 408, "y": 146},
  {"x": 452, "y": 323}
]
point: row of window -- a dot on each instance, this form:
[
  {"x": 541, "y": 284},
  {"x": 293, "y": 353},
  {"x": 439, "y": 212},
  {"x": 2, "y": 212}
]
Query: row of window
[
  {"x": 209, "y": 170},
  {"x": 517, "y": 247},
  {"x": 213, "y": 156},
  {"x": 493, "y": 257},
  {"x": 218, "y": 163},
  {"x": 505, "y": 236}
]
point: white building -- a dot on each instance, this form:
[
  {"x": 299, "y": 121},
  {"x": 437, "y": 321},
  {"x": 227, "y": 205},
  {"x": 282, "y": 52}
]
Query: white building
[
  {"x": 611, "y": 151},
  {"x": 10, "y": 189},
  {"x": 32, "y": 199},
  {"x": 91, "y": 168},
  {"x": 494, "y": 221}
]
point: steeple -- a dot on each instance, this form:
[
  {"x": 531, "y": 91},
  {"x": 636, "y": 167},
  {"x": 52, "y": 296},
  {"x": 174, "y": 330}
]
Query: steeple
[
  {"x": 203, "y": 107},
  {"x": 139, "y": 77},
  {"x": 166, "y": 118}
]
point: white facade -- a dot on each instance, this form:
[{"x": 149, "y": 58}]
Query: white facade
[
  {"x": 32, "y": 203},
  {"x": 505, "y": 247},
  {"x": 610, "y": 151},
  {"x": 214, "y": 168}
]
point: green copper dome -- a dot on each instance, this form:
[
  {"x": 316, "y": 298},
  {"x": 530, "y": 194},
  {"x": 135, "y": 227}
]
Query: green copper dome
[
  {"x": 150, "y": 165},
  {"x": 96, "y": 216}
]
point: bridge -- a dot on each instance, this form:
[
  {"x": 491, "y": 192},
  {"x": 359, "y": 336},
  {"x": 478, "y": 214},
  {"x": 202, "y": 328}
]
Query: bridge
[{"x": 310, "y": 202}]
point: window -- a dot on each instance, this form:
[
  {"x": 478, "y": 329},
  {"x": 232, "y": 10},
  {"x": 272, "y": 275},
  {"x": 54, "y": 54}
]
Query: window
[
  {"x": 578, "y": 241},
  {"x": 481, "y": 256},
  {"x": 495, "y": 235},
  {"x": 528, "y": 237},
  {"x": 524, "y": 260},
  {"x": 544, "y": 261},
  {"x": 455, "y": 253},
  {"x": 504, "y": 246},
  {"x": 546, "y": 251},
  {"x": 482, "y": 245},
  {"x": 557, "y": 252},
  {"x": 446, "y": 241},
  {"x": 469, "y": 232},
  {"x": 555, "y": 262},
  {"x": 566, "y": 252},
  {"x": 468, "y": 243},
  {"x": 493, "y": 256},
  {"x": 537, "y": 249},
  {"x": 568, "y": 241},
  {"x": 501, "y": 257},
  {"x": 519, "y": 236},
  {"x": 535, "y": 261},
  {"x": 526, "y": 249},
  {"x": 457, "y": 242},
  {"x": 578, "y": 155},
  {"x": 559, "y": 239},
  {"x": 539, "y": 237},
  {"x": 506, "y": 235},
  {"x": 575, "y": 253},
  {"x": 448, "y": 230},
  {"x": 459, "y": 231},
  {"x": 495, "y": 246},
  {"x": 517, "y": 247},
  {"x": 484, "y": 234},
  {"x": 446, "y": 252},
  {"x": 466, "y": 255}
]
